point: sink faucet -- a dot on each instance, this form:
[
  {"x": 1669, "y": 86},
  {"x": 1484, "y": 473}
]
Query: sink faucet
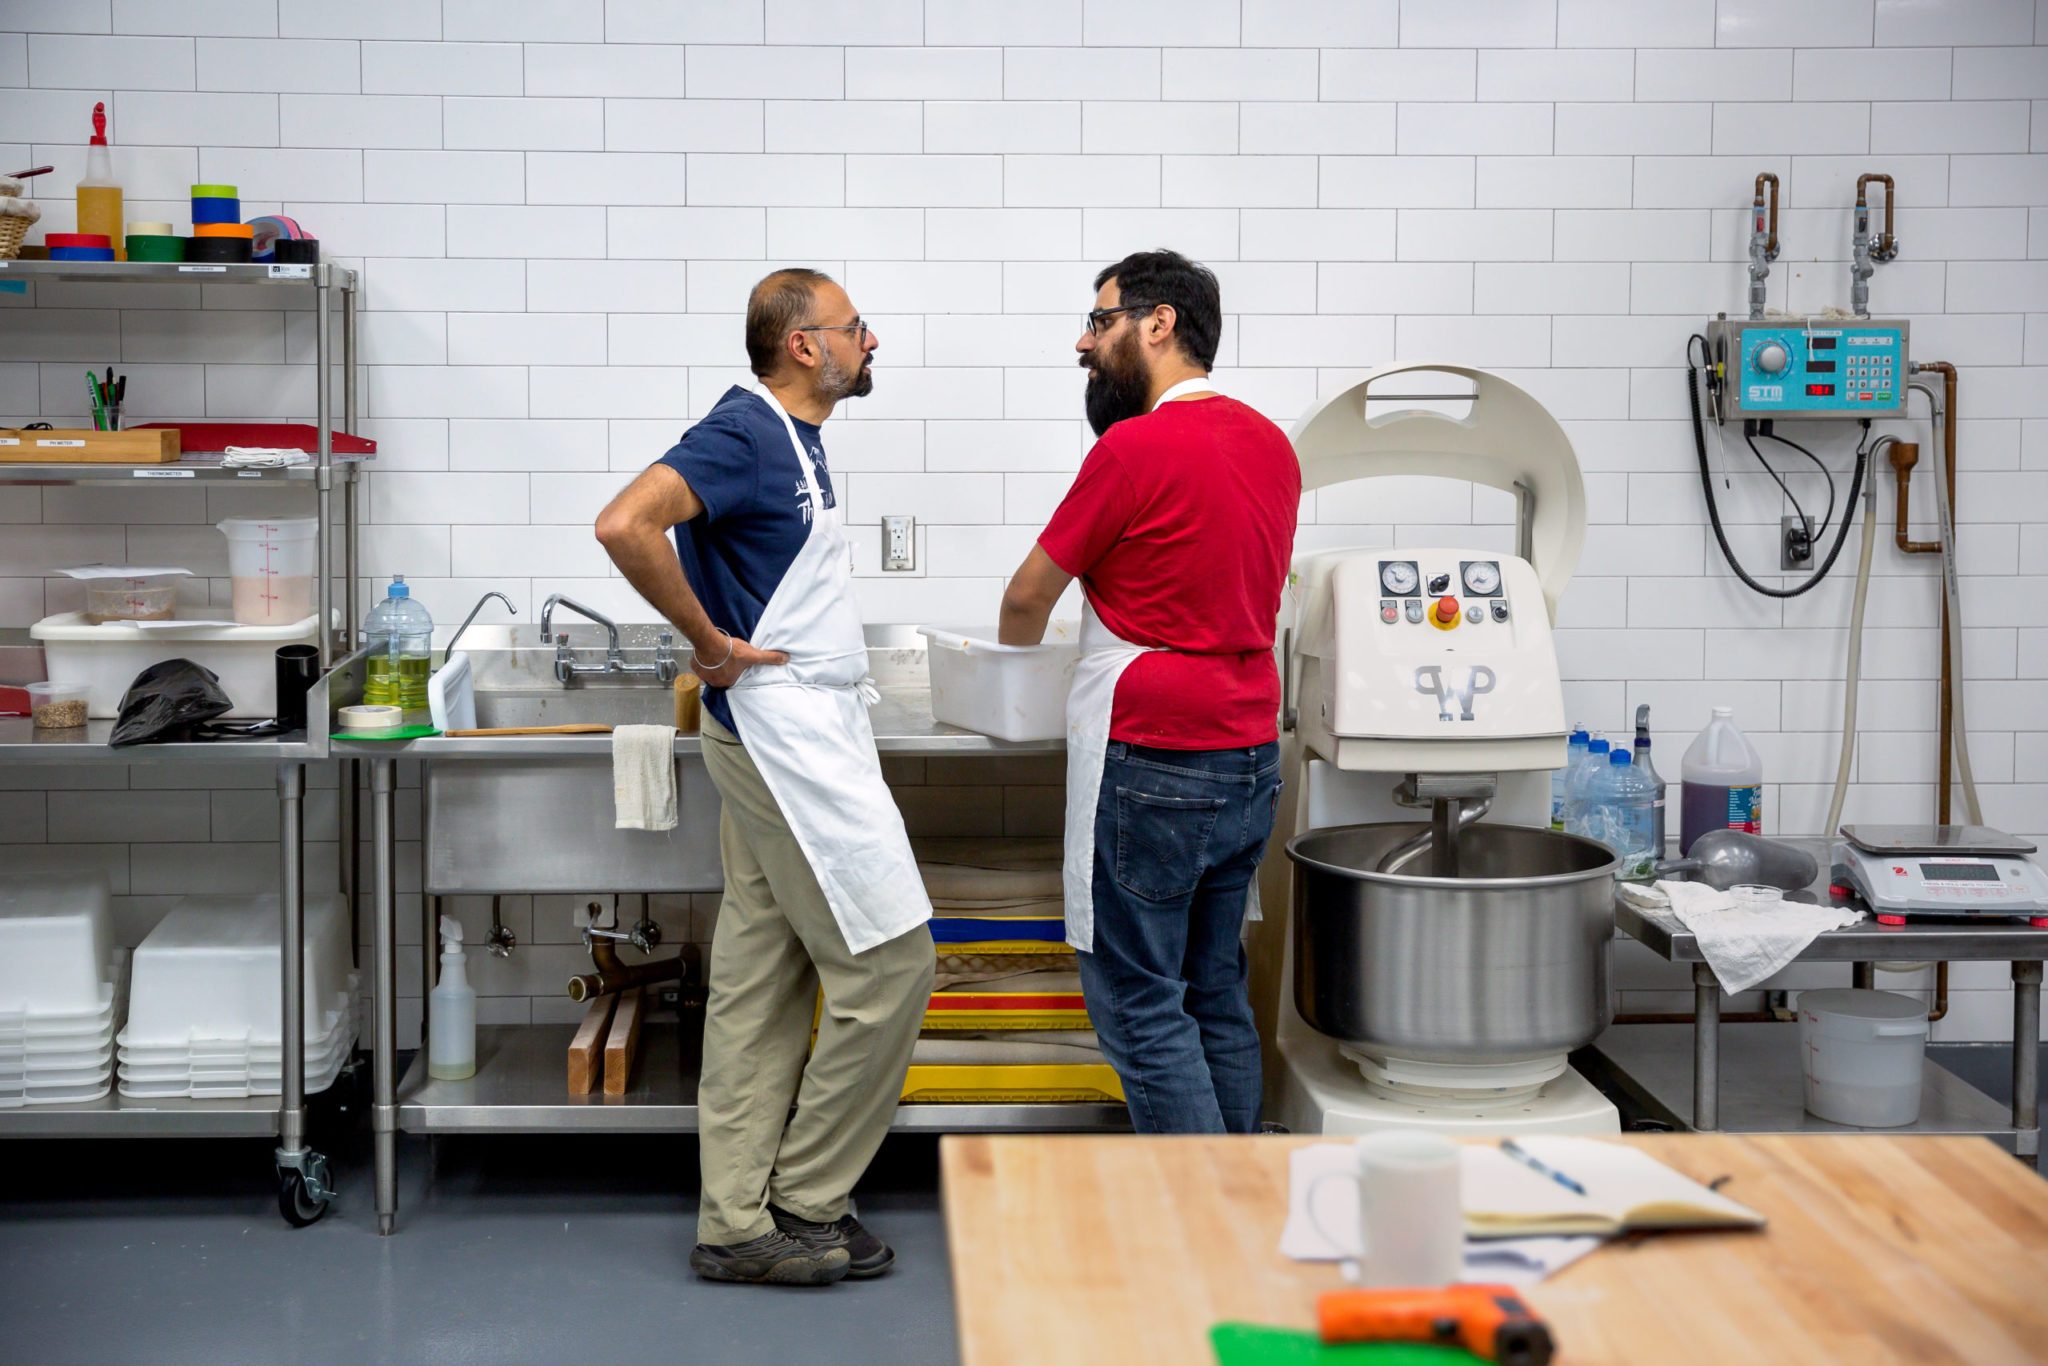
[{"x": 663, "y": 668}]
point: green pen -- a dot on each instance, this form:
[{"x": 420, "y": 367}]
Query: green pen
[{"x": 99, "y": 412}]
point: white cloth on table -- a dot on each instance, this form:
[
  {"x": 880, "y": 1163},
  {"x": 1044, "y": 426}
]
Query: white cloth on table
[
  {"x": 263, "y": 458},
  {"x": 644, "y": 777},
  {"x": 1744, "y": 947}
]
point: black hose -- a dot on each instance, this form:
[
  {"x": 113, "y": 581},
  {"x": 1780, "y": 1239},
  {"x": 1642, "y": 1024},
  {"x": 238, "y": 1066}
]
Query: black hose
[{"x": 1699, "y": 441}]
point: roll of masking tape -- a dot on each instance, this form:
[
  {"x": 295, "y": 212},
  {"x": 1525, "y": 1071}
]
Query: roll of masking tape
[
  {"x": 372, "y": 716},
  {"x": 149, "y": 229}
]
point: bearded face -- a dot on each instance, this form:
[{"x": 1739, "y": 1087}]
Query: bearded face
[
  {"x": 1118, "y": 384},
  {"x": 837, "y": 381}
]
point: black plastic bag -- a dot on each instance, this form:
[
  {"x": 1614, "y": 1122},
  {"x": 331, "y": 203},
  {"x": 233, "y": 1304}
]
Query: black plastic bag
[{"x": 166, "y": 701}]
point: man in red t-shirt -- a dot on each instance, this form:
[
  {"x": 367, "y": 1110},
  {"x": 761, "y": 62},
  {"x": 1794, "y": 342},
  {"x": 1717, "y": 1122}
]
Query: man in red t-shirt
[{"x": 1179, "y": 527}]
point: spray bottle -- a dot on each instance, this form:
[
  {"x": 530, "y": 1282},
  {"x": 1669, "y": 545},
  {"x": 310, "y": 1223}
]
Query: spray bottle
[
  {"x": 451, "y": 1018},
  {"x": 99, "y": 194},
  {"x": 1656, "y": 781}
]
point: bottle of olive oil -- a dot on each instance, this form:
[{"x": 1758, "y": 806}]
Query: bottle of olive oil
[{"x": 400, "y": 636}]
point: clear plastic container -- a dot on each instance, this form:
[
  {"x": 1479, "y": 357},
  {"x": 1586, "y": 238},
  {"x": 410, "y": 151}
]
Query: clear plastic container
[
  {"x": 1577, "y": 780},
  {"x": 57, "y": 706},
  {"x": 271, "y": 562},
  {"x": 1861, "y": 1056},
  {"x": 130, "y": 600},
  {"x": 399, "y": 633},
  {"x": 1574, "y": 749},
  {"x": 1722, "y": 778},
  {"x": 1754, "y": 896},
  {"x": 1620, "y": 807}
]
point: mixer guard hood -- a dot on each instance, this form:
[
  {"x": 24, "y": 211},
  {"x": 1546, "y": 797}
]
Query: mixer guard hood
[{"x": 1507, "y": 441}]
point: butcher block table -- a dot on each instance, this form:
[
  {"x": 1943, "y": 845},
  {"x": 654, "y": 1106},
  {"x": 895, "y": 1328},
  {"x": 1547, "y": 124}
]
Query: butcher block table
[{"x": 1119, "y": 1249}]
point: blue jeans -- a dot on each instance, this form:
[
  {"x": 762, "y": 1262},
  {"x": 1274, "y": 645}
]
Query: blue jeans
[{"x": 1178, "y": 839}]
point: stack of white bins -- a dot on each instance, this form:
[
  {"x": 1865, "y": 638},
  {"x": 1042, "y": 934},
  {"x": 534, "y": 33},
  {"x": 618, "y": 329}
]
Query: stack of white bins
[
  {"x": 206, "y": 1013},
  {"x": 58, "y": 973}
]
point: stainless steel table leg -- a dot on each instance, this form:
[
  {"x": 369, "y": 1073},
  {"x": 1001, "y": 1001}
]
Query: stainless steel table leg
[
  {"x": 2026, "y": 1061},
  {"x": 1863, "y": 976},
  {"x": 1706, "y": 1049},
  {"x": 384, "y": 1100},
  {"x": 430, "y": 942},
  {"x": 291, "y": 1117}
]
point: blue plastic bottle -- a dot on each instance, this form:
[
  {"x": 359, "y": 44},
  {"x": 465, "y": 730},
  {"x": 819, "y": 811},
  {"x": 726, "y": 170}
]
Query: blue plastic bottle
[
  {"x": 1577, "y": 784},
  {"x": 1575, "y": 750}
]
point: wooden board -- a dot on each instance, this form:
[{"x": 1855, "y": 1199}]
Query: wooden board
[
  {"x": 1880, "y": 1249},
  {"x": 84, "y": 446},
  {"x": 623, "y": 1042},
  {"x": 578, "y": 728},
  {"x": 587, "y": 1043}
]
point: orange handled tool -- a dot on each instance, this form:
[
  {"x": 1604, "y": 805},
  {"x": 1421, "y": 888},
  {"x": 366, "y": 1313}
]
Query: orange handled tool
[{"x": 1490, "y": 1321}]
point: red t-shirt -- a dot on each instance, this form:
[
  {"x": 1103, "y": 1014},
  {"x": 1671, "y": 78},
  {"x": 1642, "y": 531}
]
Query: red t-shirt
[{"x": 1179, "y": 526}]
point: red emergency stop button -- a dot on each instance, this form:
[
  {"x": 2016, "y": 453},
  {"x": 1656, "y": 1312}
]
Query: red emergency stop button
[{"x": 1443, "y": 613}]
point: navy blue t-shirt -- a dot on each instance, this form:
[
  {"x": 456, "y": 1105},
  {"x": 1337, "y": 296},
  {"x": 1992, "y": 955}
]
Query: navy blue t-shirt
[{"x": 756, "y": 517}]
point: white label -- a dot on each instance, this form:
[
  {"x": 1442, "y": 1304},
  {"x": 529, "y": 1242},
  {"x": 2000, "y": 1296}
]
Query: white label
[
  {"x": 203, "y": 270},
  {"x": 1766, "y": 393},
  {"x": 166, "y": 474},
  {"x": 248, "y": 474},
  {"x": 63, "y": 441},
  {"x": 10, "y": 441},
  {"x": 291, "y": 272}
]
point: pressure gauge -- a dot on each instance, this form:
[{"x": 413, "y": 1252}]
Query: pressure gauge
[
  {"x": 1482, "y": 578},
  {"x": 1399, "y": 578}
]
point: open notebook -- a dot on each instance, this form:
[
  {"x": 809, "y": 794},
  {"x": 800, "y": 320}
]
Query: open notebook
[{"x": 1626, "y": 1189}]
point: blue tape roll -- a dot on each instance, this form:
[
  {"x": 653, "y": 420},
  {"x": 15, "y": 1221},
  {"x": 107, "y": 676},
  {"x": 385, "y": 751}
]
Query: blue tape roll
[
  {"x": 81, "y": 253},
  {"x": 216, "y": 210}
]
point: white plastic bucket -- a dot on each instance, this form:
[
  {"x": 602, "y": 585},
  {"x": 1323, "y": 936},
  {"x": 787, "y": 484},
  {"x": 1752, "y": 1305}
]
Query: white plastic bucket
[
  {"x": 271, "y": 562},
  {"x": 1009, "y": 692},
  {"x": 56, "y": 945},
  {"x": 208, "y": 975},
  {"x": 1861, "y": 1053},
  {"x": 104, "y": 659}
]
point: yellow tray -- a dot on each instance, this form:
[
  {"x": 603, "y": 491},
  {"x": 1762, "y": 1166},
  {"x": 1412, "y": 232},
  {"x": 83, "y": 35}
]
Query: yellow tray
[
  {"x": 998, "y": 1084},
  {"x": 968, "y": 1009}
]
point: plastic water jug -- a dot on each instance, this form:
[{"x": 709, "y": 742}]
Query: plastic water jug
[
  {"x": 1575, "y": 787},
  {"x": 400, "y": 635},
  {"x": 1574, "y": 751},
  {"x": 1722, "y": 777},
  {"x": 1620, "y": 811}
]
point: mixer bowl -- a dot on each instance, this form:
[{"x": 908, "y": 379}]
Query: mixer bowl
[{"x": 1507, "y": 962}]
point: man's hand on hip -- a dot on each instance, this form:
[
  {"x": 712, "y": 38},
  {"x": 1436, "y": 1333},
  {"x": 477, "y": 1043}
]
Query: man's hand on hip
[{"x": 731, "y": 665}]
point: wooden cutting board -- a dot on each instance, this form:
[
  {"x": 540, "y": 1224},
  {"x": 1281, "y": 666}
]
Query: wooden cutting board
[
  {"x": 578, "y": 729},
  {"x": 83, "y": 446}
]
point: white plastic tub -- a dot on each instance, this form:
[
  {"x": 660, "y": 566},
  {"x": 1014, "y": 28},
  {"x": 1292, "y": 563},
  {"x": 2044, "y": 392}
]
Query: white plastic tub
[
  {"x": 271, "y": 566},
  {"x": 208, "y": 974},
  {"x": 56, "y": 947},
  {"x": 1861, "y": 1053},
  {"x": 104, "y": 659},
  {"x": 1009, "y": 692}
]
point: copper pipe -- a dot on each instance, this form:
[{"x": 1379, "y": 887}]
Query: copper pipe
[
  {"x": 612, "y": 975},
  {"x": 1770, "y": 178},
  {"x": 1905, "y": 455},
  {"x": 1935, "y": 1012},
  {"x": 1886, "y": 246}
]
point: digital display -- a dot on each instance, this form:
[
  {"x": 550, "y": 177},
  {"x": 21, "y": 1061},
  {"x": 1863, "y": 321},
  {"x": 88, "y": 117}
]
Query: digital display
[
  {"x": 1820, "y": 367},
  {"x": 1819, "y": 390},
  {"x": 1959, "y": 872},
  {"x": 1820, "y": 343}
]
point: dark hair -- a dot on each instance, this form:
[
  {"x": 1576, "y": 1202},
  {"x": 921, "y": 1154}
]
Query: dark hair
[
  {"x": 1188, "y": 287},
  {"x": 777, "y": 306}
]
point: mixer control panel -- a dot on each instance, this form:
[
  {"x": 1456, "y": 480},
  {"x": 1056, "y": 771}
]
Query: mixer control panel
[
  {"x": 1402, "y": 580},
  {"x": 1822, "y": 368}
]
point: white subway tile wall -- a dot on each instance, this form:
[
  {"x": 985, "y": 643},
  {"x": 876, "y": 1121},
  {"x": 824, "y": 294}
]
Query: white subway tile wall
[{"x": 558, "y": 208}]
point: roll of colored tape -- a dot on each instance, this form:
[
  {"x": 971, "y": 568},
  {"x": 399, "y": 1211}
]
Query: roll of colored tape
[
  {"x": 296, "y": 251},
  {"x": 242, "y": 230},
  {"x": 78, "y": 239},
  {"x": 81, "y": 253},
  {"x": 216, "y": 192},
  {"x": 150, "y": 248},
  {"x": 216, "y": 211},
  {"x": 273, "y": 228},
  {"x": 371, "y": 716},
  {"x": 223, "y": 250},
  {"x": 149, "y": 229}
]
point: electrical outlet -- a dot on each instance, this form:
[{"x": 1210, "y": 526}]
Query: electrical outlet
[
  {"x": 596, "y": 909},
  {"x": 899, "y": 543},
  {"x": 1795, "y": 548}
]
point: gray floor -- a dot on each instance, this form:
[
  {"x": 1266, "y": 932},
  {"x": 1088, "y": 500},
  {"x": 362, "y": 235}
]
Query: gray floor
[{"x": 524, "y": 1250}]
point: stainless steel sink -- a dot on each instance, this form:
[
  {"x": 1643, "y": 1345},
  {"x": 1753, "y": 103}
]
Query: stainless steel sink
[{"x": 558, "y": 706}]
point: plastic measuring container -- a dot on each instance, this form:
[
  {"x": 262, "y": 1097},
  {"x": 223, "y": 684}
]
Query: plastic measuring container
[{"x": 271, "y": 562}]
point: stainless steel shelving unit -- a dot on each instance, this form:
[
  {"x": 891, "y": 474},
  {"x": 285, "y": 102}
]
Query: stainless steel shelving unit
[{"x": 305, "y": 1187}]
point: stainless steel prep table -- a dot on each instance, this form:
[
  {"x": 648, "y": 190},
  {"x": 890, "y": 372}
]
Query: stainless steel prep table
[
  {"x": 519, "y": 1084},
  {"x": 1761, "y": 1061}
]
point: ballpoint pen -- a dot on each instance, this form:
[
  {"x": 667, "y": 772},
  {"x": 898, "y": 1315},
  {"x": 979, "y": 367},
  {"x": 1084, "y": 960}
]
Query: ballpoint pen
[
  {"x": 1541, "y": 1168},
  {"x": 92, "y": 389}
]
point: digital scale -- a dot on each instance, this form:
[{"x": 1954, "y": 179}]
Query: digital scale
[{"x": 1950, "y": 870}]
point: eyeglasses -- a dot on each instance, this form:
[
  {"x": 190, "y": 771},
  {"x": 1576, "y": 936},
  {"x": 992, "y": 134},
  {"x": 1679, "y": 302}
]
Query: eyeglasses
[
  {"x": 858, "y": 327},
  {"x": 1099, "y": 320}
]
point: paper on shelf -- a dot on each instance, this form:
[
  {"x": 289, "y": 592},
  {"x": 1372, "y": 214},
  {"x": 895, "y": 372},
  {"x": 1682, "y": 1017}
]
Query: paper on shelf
[{"x": 122, "y": 571}]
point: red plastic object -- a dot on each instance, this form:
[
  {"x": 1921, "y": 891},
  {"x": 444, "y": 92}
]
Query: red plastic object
[
  {"x": 2039, "y": 922},
  {"x": 99, "y": 127},
  {"x": 1891, "y": 920},
  {"x": 78, "y": 239},
  {"x": 213, "y": 437}
]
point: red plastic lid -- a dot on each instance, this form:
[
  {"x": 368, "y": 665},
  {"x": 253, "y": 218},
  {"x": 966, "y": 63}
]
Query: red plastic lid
[
  {"x": 78, "y": 239},
  {"x": 99, "y": 124},
  {"x": 290, "y": 436}
]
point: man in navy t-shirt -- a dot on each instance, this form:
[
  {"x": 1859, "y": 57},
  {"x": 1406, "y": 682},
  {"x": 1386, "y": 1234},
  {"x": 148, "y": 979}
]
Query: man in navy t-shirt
[{"x": 741, "y": 503}]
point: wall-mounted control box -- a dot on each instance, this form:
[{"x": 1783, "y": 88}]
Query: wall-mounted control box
[{"x": 1818, "y": 368}]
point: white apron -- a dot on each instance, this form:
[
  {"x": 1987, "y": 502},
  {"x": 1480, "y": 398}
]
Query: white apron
[
  {"x": 805, "y": 725},
  {"x": 1104, "y": 657}
]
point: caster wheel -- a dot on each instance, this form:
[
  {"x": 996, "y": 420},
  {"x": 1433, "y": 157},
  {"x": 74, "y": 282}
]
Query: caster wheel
[{"x": 298, "y": 1208}]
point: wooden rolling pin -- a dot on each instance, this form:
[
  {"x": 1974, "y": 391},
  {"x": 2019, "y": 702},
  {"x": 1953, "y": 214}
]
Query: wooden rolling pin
[{"x": 579, "y": 729}]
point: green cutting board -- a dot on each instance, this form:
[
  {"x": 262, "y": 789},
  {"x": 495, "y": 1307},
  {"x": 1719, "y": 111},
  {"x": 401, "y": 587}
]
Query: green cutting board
[
  {"x": 402, "y": 733},
  {"x": 1251, "y": 1344}
]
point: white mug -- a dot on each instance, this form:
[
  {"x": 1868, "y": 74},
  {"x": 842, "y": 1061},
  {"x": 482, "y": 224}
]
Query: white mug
[{"x": 1411, "y": 1222}]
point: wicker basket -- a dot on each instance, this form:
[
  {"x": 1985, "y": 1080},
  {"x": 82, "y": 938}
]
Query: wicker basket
[{"x": 16, "y": 215}]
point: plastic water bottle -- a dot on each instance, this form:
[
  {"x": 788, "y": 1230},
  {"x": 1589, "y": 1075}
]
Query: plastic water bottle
[
  {"x": 400, "y": 635},
  {"x": 1649, "y": 769},
  {"x": 1575, "y": 750},
  {"x": 1722, "y": 778},
  {"x": 1576, "y": 786},
  {"x": 451, "y": 1016},
  {"x": 1620, "y": 807}
]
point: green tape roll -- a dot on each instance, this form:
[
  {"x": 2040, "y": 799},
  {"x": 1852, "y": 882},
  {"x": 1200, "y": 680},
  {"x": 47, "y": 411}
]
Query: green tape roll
[
  {"x": 152, "y": 248},
  {"x": 216, "y": 192}
]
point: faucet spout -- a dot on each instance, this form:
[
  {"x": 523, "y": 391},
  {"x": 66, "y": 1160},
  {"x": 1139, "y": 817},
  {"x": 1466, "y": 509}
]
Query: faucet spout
[{"x": 611, "y": 628}]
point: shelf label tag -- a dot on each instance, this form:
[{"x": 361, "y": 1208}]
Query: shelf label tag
[
  {"x": 59, "y": 442},
  {"x": 166, "y": 474},
  {"x": 291, "y": 272},
  {"x": 202, "y": 270}
]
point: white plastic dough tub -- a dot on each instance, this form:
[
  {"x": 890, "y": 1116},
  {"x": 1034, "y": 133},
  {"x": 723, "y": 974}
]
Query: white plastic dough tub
[
  {"x": 104, "y": 659},
  {"x": 1008, "y": 692}
]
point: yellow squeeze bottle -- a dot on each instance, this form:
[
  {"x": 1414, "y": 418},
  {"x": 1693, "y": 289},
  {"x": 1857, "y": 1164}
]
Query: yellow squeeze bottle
[{"x": 99, "y": 196}]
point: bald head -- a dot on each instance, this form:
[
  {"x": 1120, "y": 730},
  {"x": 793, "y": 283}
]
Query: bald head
[{"x": 781, "y": 303}]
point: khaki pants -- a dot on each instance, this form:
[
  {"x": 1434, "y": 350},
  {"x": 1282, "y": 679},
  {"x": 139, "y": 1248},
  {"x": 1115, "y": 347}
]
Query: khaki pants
[{"x": 776, "y": 943}]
